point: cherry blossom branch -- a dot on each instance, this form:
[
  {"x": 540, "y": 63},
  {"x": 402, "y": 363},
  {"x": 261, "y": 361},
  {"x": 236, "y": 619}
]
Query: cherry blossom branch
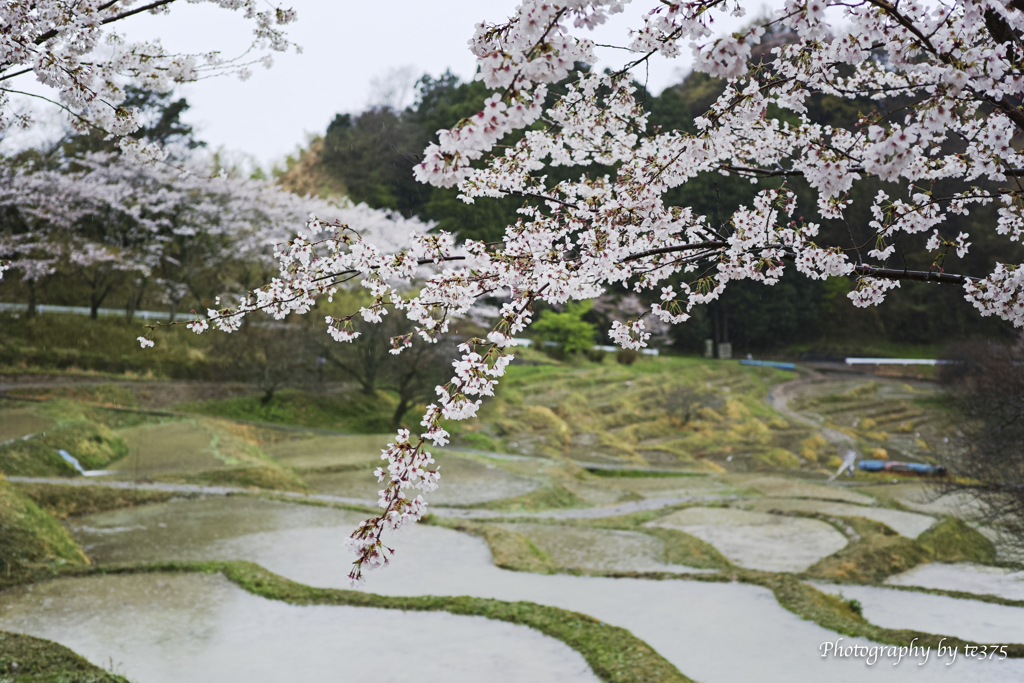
[{"x": 915, "y": 275}]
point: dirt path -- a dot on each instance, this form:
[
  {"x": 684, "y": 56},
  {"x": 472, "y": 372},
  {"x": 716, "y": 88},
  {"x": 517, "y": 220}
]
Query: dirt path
[{"x": 780, "y": 395}]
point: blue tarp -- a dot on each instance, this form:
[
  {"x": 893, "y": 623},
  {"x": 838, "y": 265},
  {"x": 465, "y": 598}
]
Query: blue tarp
[
  {"x": 769, "y": 364},
  {"x": 905, "y": 467}
]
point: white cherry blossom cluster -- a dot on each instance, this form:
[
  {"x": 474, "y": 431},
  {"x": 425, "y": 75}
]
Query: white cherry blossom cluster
[
  {"x": 1000, "y": 294},
  {"x": 75, "y": 49}
]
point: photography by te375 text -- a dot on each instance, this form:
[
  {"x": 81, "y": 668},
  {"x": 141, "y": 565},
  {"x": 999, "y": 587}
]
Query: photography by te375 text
[{"x": 871, "y": 654}]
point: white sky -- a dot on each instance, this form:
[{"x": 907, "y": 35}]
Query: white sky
[{"x": 346, "y": 44}]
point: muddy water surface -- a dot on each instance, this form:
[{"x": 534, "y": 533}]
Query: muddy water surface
[
  {"x": 159, "y": 628},
  {"x": 714, "y": 633}
]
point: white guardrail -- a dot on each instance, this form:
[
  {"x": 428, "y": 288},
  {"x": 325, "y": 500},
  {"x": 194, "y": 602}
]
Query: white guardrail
[
  {"x": 898, "y": 361},
  {"x": 84, "y": 310},
  {"x": 522, "y": 341}
]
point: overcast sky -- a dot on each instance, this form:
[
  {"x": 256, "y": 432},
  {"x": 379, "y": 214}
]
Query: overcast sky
[{"x": 346, "y": 45}]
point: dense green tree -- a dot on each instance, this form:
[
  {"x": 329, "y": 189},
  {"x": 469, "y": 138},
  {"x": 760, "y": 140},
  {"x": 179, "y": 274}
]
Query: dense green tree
[{"x": 567, "y": 328}]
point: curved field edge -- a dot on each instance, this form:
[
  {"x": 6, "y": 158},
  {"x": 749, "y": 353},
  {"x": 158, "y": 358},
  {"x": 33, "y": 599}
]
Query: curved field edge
[
  {"x": 959, "y": 595},
  {"x": 614, "y": 654}
]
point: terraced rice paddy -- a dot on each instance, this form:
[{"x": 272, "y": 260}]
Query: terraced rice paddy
[
  {"x": 696, "y": 625},
  {"x": 695, "y": 537},
  {"x": 20, "y": 422},
  {"x": 467, "y": 481}
]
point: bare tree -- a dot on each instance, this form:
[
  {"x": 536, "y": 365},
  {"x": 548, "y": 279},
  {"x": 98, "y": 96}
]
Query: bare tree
[
  {"x": 986, "y": 386},
  {"x": 271, "y": 355},
  {"x": 412, "y": 375}
]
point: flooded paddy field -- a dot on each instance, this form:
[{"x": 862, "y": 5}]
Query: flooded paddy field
[
  {"x": 468, "y": 481},
  {"x": 323, "y": 451},
  {"x": 909, "y": 524},
  {"x": 758, "y": 540},
  {"x": 167, "y": 628}
]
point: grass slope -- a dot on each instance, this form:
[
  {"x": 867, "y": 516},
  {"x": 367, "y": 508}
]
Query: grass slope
[
  {"x": 554, "y": 497},
  {"x": 25, "y": 659},
  {"x": 108, "y": 345},
  {"x": 270, "y": 476},
  {"x": 69, "y": 501},
  {"x": 31, "y": 539},
  {"x": 354, "y": 413},
  {"x": 73, "y": 429},
  {"x": 879, "y": 552}
]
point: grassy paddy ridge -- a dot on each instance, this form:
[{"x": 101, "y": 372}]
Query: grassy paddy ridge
[{"x": 24, "y": 659}]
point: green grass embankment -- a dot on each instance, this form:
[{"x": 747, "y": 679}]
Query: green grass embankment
[
  {"x": 25, "y": 659},
  {"x": 552, "y": 497},
  {"x": 71, "y": 427},
  {"x": 73, "y": 342},
  {"x": 879, "y": 552},
  {"x": 71, "y": 501},
  {"x": 269, "y": 477},
  {"x": 31, "y": 540}
]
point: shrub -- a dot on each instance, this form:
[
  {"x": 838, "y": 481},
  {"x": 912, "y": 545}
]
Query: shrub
[{"x": 567, "y": 329}]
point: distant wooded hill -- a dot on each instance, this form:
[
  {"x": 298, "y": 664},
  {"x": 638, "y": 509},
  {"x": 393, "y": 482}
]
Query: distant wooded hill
[{"x": 369, "y": 157}]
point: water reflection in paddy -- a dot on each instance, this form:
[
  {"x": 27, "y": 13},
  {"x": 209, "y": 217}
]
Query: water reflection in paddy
[
  {"x": 159, "y": 628},
  {"x": 712, "y": 632}
]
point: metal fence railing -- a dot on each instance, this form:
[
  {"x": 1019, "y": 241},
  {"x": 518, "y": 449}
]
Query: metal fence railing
[{"x": 84, "y": 310}]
